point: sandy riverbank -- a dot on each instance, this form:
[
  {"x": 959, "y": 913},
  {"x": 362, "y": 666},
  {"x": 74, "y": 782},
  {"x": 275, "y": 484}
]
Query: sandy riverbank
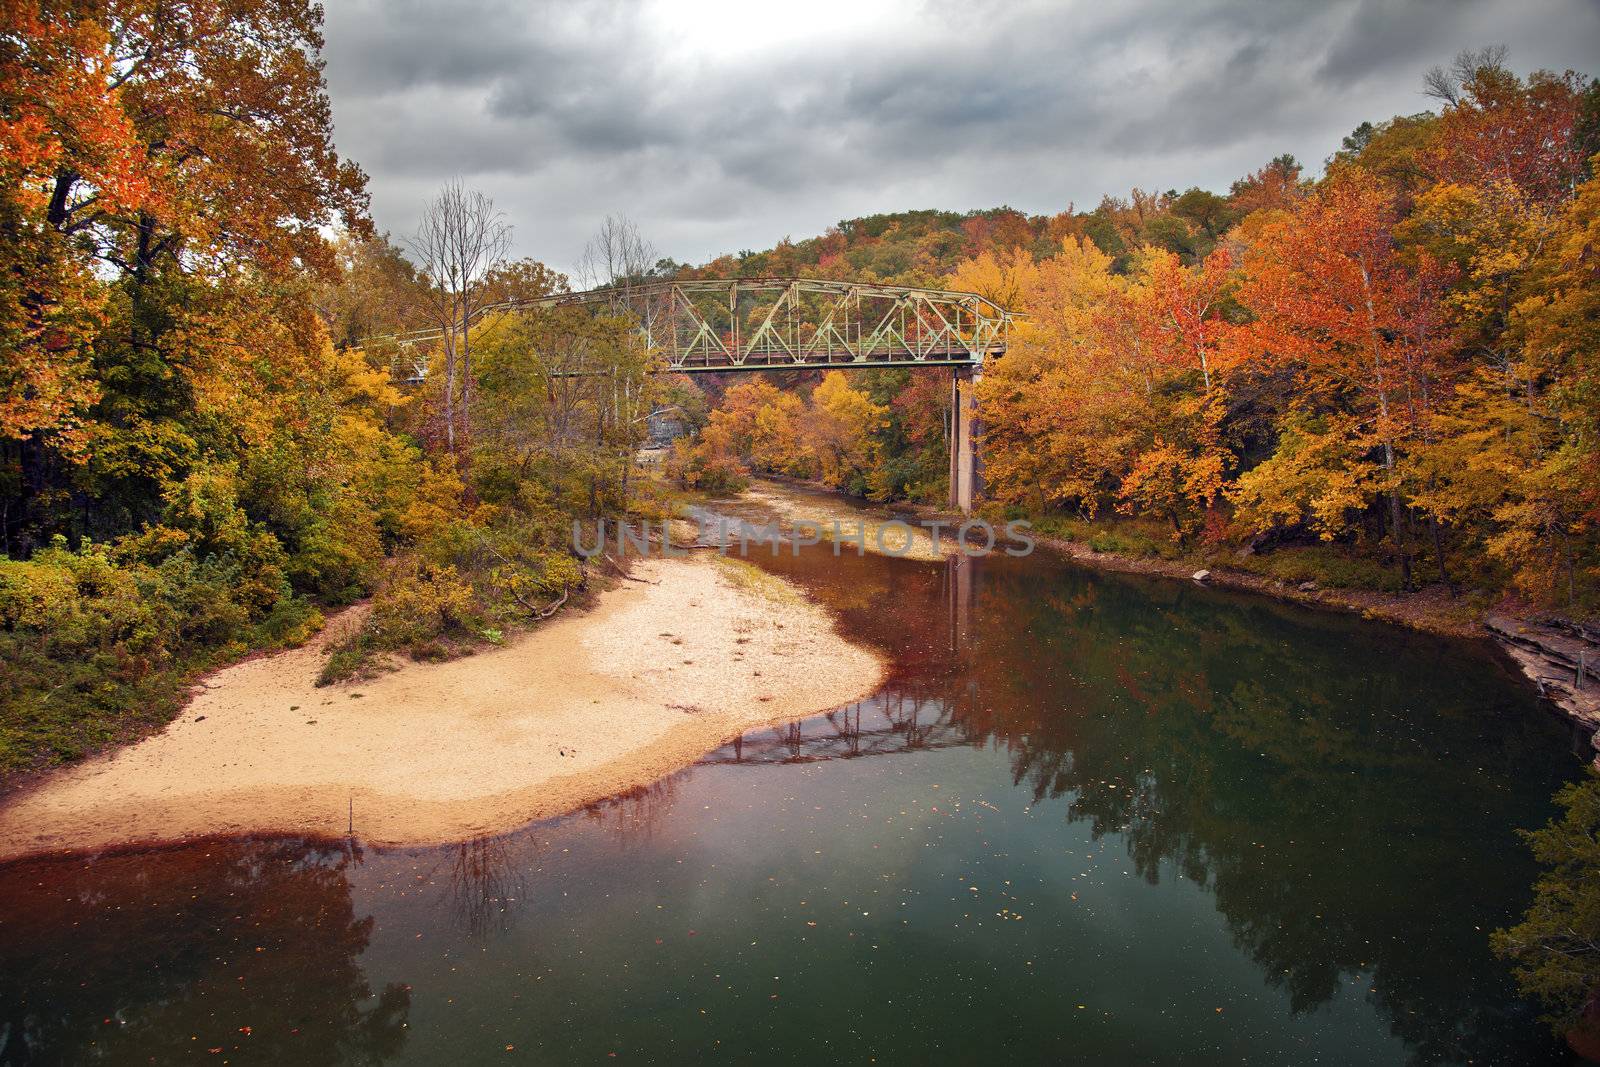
[
  {"x": 855, "y": 526},
  {"x": 584, "y": 707}
]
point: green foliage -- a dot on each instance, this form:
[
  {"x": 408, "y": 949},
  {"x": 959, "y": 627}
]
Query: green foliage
[
  {"x": 1556, "y": 947},
  {"x": 547, "y": 447},
  {"x": 97, "y": 644},
  {"x": 344, "y": 662},
  {"x": 420, "y": 603},
  {"x": 1330, "y": 565},
  {"x": 466, "y": 584},
  {"x": 1123, "y": 536}
]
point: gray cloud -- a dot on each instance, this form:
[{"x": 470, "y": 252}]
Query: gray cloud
[{"x": 731, "y": 127}]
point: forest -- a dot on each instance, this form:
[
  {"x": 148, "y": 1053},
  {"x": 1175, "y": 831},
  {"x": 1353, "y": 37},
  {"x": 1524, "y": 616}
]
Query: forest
[
  {"x": 194, "y": 459},
  {"x": 1387, "y": 375},
  {"x": 1391, "y": 369},
  {"x": 1384, "y": 376}
]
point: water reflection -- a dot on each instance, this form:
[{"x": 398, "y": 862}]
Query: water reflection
[
  {"x": 889, "y": 724},
  {"x": 631, "y": 817},
  {"x": 1329, "y": 783},
  {"x": 242, "y": 950},
  {"x": 1148, "y": 799},
  {"x": 488, "y": 885}
]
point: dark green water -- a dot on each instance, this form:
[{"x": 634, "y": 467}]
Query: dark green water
[{"x": 1089, "y": 819}]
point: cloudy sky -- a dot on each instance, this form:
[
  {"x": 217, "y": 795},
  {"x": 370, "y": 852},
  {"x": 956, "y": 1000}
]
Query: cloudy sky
[{"x": 727, "y": 124}]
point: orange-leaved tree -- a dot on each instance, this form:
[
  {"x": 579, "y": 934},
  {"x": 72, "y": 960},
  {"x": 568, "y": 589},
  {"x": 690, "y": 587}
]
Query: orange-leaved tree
[
  {"x": 156, "y": 160},
  {"x": 1336, "y": 306}
]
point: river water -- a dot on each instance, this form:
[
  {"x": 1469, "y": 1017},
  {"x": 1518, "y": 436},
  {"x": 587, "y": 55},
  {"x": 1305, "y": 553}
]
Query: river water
[{"x": 1088, "y": 819}]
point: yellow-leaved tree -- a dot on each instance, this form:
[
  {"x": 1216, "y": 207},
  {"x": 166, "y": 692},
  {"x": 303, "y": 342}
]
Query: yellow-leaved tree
[{"x": 839, "y": 431}]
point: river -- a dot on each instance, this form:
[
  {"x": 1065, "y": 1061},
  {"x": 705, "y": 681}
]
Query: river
[{"x": 1089, "y": 818}]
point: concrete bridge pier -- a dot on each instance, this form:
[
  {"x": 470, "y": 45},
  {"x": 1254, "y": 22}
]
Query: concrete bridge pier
[{"x": 966, "y": 431}]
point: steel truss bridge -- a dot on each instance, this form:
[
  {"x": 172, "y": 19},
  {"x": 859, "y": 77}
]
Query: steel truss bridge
[{"x": 751, "y": 324}]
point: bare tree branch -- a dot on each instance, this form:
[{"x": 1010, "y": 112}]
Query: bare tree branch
[
  {"x": 461, "y": 239},
  {"x": 1446, "y": 86},
  {"x": 617, "y": 253}
]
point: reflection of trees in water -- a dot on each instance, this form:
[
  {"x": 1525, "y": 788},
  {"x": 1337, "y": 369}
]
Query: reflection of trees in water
[
  {"x": 488, "y": 885},
  {"x": 249, "y": 947},
  {"x": 1322, "y": 778},
  {"x": 1281, "y": 765},
  {"x": 633, "y": 817}
]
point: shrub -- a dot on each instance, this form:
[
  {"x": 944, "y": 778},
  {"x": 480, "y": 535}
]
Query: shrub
[
  {"x": 343, "y": 663},
  {"x": 466, "y": 583},
  {"x": 1329, "y": 565},
  {"x": 1128, "y": 537},
  {"x": 698, "y": 465},
  {"x": 98, "y": 643},
  {"x": 421, "y": 602}
]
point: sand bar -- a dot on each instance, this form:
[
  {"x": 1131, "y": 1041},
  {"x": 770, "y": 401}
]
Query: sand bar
[{"x": 589, "y": 705}]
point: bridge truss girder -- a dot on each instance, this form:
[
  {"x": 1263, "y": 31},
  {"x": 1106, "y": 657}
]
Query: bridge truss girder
[{"x": 748, "y": 324}]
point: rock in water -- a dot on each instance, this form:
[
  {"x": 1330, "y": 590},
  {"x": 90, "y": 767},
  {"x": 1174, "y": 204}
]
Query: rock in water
[{"x": 1201, "y": 576}]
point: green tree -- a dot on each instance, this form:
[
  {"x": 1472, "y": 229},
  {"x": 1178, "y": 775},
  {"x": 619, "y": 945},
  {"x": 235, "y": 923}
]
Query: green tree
[{"x": 1556, "y": 947}]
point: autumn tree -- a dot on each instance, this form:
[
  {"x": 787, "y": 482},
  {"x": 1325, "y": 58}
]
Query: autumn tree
[
  {"x": 1048, "y": 406},
  {"x": 1275, "y": 187},
  {"x": 1180, "y": 467},
  {"x": 157, "y": 159},
  {"x": 1542, "y": 433},
  {"x": 58, "y": 115},
  {"x": 565, "y": 393},
  {"x": 1394, "y": 152},
  {"x": 522, "y": 280},
  {"x": 1498, "y": 128},
  {"x": 1336, "y": 305},
  {"x": 840, "y": 427},
  {"x": 1395, "y": 357},
  {"x": 374, "y": 290}
]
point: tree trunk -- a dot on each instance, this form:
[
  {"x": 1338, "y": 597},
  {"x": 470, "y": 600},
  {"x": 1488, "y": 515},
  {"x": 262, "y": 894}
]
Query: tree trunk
[
  {"x": 627, "y": 421},
  {"x": 1375, "y": 340},
  {"x": 1396, "y": 517},
  {"x": 466, "y": 369},
  {"x": 1438, "y": 551},
  {"x": 450, "y": 390}
]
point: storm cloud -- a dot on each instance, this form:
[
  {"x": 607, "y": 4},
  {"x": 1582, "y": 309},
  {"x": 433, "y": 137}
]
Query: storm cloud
[{"x": 727, "y": 124}]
